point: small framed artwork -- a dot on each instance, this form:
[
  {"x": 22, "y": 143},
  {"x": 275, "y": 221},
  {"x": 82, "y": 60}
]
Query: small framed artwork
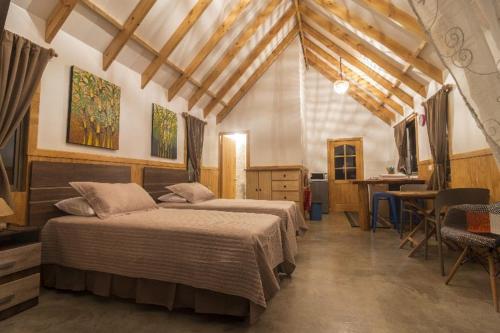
[
  {"x": 164, "y": 133},
  {"x": 94, "y": 111}
]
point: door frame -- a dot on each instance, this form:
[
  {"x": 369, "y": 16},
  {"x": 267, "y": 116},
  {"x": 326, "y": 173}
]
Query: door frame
[
  {"x": 331, "y": 174},
  {"x": 219, "y": 147}
]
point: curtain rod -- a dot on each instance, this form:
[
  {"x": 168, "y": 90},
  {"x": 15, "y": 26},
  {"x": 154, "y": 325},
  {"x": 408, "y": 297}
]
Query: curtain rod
[
  {"x": 185, "y": 115},
  {"x": 446, "y": 87}
]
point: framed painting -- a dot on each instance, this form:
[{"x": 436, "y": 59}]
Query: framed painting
[
  {"x": 164, "y": 133},
  {"x": 94, "y": 111}
]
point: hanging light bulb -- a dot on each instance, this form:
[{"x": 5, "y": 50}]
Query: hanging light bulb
[{"x": 341, "y": 86}]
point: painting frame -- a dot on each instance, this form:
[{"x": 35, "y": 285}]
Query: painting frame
[
  {"x": 87, "y": 106},
  {"x": 164, "y": 122}
]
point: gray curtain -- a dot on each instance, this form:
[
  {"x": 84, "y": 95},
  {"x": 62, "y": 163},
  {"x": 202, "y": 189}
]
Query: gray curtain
[
  {"x": 436, "y": 111},
  {"x": 401, "y": 145},
  {"x": 21, "y": 67},
  {"x": 195, "y": 129}
]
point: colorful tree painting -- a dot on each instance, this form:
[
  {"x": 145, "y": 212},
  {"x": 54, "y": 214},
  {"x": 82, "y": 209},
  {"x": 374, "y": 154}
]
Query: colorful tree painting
[
  {"x": 94, "y": 114},
  {"x": 164, "y": 133}
]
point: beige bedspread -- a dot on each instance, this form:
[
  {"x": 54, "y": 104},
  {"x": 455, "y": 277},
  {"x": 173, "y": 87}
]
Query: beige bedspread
[{"x": 230, "y": 253}]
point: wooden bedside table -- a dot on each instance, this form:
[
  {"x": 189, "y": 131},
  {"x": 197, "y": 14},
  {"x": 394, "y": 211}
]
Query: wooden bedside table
[{"x": 20, "y": 257}]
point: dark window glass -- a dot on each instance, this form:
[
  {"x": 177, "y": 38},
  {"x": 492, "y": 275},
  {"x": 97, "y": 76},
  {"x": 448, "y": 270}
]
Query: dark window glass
[
  {"x": 14, "y": 156},
  {"x": 350, "y": 162},
  {"x": 350, "y": 150},
  {"x": 339, "y": 174},
  {"x": 339, "y": 162},
  {"x": 351, "y": 173},
  {"x": 339, "y": 151}
]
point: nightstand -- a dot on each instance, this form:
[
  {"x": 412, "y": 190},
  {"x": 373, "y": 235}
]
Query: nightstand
[{"x": 20, "y": 257}]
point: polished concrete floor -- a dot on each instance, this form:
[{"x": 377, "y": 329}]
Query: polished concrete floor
[{"x": 346, "y": 281}]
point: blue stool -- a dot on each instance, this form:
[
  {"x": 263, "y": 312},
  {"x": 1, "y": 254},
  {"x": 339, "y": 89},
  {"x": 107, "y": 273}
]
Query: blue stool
[{"x": 393, "y": 208}]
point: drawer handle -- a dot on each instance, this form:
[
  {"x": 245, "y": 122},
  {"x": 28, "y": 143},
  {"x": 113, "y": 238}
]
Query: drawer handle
[
  {"x": 284, "y": 186},
  {"x": 7, "y": 265},
  {"x": 285, "y": 197},
  {"x": 6, "y": 299},
  {"x": 284, "y": 175}
]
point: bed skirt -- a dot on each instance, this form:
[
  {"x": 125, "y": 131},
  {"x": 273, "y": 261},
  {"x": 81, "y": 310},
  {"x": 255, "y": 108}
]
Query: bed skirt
[{"x": 146, "y": 291}]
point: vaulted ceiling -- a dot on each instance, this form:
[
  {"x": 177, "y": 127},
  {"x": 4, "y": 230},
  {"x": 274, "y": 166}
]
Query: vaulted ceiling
[{"x": 212, "y": 52}]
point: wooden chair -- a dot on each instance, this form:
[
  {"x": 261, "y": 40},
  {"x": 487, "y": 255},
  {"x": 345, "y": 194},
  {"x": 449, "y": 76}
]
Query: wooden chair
[{"x": 475, "y": 246}]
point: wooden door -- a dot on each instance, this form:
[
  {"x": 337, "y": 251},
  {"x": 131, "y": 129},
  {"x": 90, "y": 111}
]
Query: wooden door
[
  {"x": 345, "y": 164},
  {"x": 252, "y": 185},
  {"x": 228, "y": 168},
  {"x": 265, "y": 185}
]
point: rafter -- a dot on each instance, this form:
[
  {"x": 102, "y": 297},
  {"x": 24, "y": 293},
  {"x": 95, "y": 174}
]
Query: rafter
[
  {"x": 356, "y": 93},
  {"x": 356, "y": 43},
  {"x": 257, "y": 74},
  {"x": 301, "y": 32},
  {"x": 174, "y": 40},
  {"x": 254, "y": 54},
  {"x": 339, "y": 10},
  {"x": 229, "y": 55},
  {"x": 388, "y": 10},
  {"x": 134, "y": 19},
  {"x": 403, "y": 96},
  {"x": 57, "y": 18},
  {"x": 208, "y": 47},
  {"x": 353, "y": 77},
  {"x": 141, "y": 42}
]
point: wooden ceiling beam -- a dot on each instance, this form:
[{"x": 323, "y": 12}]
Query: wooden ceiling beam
[
  {"x": 353, "y": 77},
  {"x": 340, "y": 11},
  {"x": 301, "y": 32},
  {"x": 174, "y": 40},
  {"x": 141, "y": 42},
  {"x": 254, "y": 54},
  {"x": 361, "y": 97},
  {"x": 208, "y": 47},
  {"x": 134, "y": 19},
  {"x": 358, "y": 44},
  {"x": 355, "y": 62},
  {"x": 257, "y": 74},
  {"x": 229, "y": 55},
  {"x": 388, "y": 10},
  {"x": 57, "y": 18}
]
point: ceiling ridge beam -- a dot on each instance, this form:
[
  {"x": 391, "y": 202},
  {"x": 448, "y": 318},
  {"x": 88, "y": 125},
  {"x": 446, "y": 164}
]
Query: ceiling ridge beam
[
  {"x": 174, "y": 40},
  {"x": 145, "y": 45},
  {"x": 57, "y": 18},
  {"x": 367, "y": 101},
  {"x": 355, "y": 62},
  {"x": 231, "y": 53},
  {"x": 358, "y": 44},
  {"x": 131, "y": 24},
  {"x": 355, "y": 78},
  {"x": 258, "y": 73},
  {"x": 254, "y": 54},
  {"x": 340, "y": 11},
  {"x": 301, "y": 32},
  {"x": 216, "y": 37},
  {"x": 389, "y": 11}
]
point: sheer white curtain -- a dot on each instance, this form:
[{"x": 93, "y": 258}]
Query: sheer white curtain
[{"x": 466, "y": 35}]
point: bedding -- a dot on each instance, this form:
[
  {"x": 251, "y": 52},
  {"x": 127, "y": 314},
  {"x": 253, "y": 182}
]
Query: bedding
[
  {"x": 192, "y": 192},
  {"x": 108, "y": 199},
  {"x": 75, "y": 206},
  {"x": 172, "y": 197},
  {"x": 224, "y": 252}
]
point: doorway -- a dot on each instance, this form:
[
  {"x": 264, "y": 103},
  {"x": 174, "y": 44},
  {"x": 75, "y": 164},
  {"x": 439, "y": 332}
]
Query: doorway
[
  {"x": 345, "y": 164},
  {"x": 233, "y": 161}
]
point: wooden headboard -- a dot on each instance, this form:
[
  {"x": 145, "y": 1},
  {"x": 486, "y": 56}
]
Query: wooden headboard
[
  {"x": 155, "y": 180},
  {"x": 50, "y": 183}
]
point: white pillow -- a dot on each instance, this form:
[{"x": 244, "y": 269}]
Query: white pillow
[
  {"x": 193, "y": 192},
  {"x": 76, "y": 206},
  {"x": 172, "y": 197}
]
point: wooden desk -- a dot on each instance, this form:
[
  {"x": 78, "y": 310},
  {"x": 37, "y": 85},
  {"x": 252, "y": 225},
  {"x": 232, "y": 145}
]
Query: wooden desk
[{"x": 364, "y": 195}]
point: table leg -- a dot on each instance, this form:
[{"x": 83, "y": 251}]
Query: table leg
[
  {"x": 364, "y": 207},
  {"x": 426, "y": 233},
  {"x": 401, "y": 208}
]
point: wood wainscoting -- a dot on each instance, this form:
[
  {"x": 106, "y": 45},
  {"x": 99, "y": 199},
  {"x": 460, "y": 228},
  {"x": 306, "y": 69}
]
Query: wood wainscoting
[{"x": 472, "y": 169}]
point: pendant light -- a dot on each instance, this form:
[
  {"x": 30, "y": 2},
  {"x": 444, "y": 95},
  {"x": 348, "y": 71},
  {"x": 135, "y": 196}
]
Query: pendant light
[{"x": 341, "y": 86}]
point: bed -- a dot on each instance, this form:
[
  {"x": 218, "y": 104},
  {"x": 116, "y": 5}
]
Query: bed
[{"x": 209, "y": 261}]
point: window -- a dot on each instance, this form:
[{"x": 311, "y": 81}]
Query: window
[
  {"x": 345, "y": 162},
  {"x": 14, "y": 156},
  {"x": 411, "y": 139}
]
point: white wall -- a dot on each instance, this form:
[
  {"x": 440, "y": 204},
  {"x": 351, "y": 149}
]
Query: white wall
[
  {"x": 331, "y": 116},
  {"x": 271, "y": 113},
  {"x": 135, "y": 103}
]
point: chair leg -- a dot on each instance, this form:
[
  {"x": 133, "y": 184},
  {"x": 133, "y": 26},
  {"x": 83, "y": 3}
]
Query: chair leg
[
  {"x": 440, "y": 246},
  {"x": 493, "y": 282},
  {"x": 457, "y": 265},
  {"x": 426, "y": 233}
]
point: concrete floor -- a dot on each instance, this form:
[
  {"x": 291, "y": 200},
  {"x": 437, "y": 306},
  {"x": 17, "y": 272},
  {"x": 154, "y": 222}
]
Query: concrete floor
[{"x": 346, "y": 281}]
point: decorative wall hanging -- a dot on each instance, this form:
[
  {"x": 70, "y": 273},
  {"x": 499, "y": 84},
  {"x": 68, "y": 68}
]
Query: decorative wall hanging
[
  {"x": 94, "y": 111},
  {"x": 164, "y": 133}
]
